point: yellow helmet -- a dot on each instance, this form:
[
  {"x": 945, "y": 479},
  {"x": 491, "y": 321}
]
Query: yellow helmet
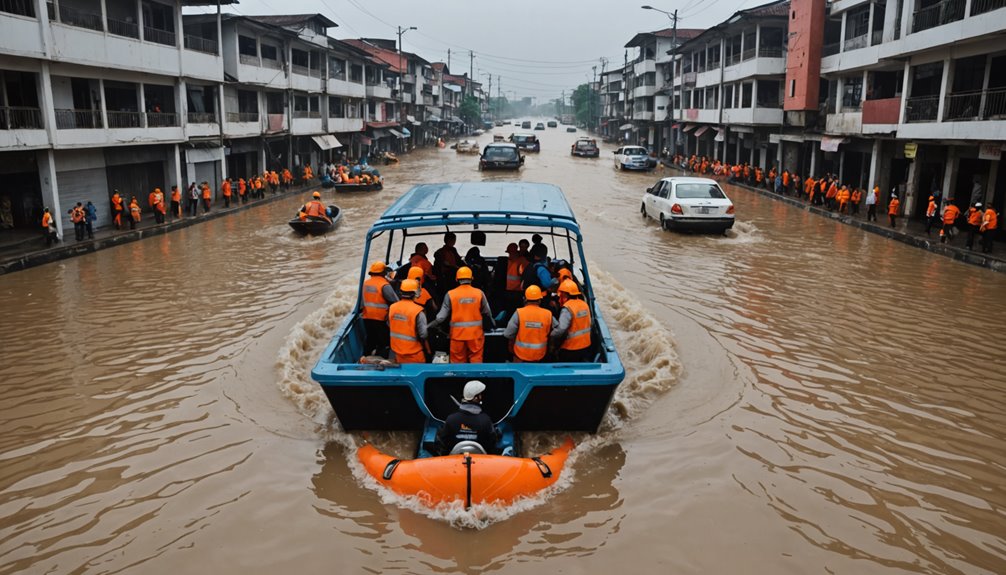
[
  {"x": 569, "y": 287},
  {"x": 532, "y": 293},
  {"x": 316, "y": 194},
  {"x": 464, "y": 273},
  {"x": 415, "y": 273},
  {"x": 377, "y": 268},
  {"x": 565, "y": 274},
  {"x": 410, "y": 287}
]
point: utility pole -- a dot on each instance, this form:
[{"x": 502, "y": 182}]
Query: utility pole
[
  {"x": 490, "y": 97},
  {"x": 593, "y": 104},
  {"x": 499, "y": 94},
  {"x": 670, "y": 103},
  {"x": 401, "y": 72},
  {"x": 471, "y": 71}
]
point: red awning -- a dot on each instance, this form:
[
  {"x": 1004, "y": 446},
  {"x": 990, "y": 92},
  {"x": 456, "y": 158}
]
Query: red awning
[
  {"x": 382, "y": 124},
  {"x": 701, "y": 131},
  {"x": 675, "y": 126}
]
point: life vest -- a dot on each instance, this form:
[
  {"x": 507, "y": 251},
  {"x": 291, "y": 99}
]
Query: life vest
[
  {"x": 950, "y": 214},
  {"x": 931, "y": 209},
  {"x": 785, "y": 178},
  {"x": 856, "y": 196},
  {"x": 226, "y": 188},
  {"x": 134, "y": 210},
  {"x": 206, "y": 193},
  {"x": 892, "y": 208},
  {"x": 242, "y": 186},
  {"x": 974, "y": 217},
  {"x": 832, "y": 191},
  {"x": 46, "y": 220},
  {"x": 990, "y": 221},
  {"x": 77, "y": 215},
  {"x": 421, "y": 261},
  {"x": 374, "y": 304},
  {"x": 533, "y": 326},
  {"x": 578, "y": 336},
  {"x": 314, "y": 208},
  {"x": 176, "y": 195},
  {"x": 466, "y": 312},
  {"x": 402, "y": 326},
  {"x": 423, "y": 297},
  {"x": 159, "y": 201},
  {"x": 117, "y": 202},
  {"x": 514, "y": 269}
]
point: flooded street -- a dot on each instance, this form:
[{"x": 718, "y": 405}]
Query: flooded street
[{"x": 801, "y": 397}]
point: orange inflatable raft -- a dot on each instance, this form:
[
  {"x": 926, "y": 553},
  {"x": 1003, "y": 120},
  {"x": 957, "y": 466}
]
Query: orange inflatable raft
[{"x": 472, "y": 479}]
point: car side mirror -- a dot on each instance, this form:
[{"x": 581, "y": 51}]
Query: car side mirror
[{"x": 649, "y": 190}]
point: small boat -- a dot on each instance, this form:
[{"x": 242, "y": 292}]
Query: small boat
[
  {"x": 466, "y": 147},
  {"x": 316, "y": 226},
  {"x": 371, "y": 187},
  {"x": 472, "y": 478}
]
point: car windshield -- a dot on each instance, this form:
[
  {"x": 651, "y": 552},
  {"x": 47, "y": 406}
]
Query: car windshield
[
  {"x": 587, "y": 145},
  {"x": 698, "y": 191},
  {"x": 499, "y": 154},
  {"x": 523, "y": 139},
  {"x": 635, "y": 151}
]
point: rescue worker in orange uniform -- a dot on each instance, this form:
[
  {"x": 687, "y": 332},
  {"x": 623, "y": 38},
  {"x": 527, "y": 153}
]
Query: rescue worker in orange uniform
[
  {"x": 950, "y": 214},
  {"x": 157, "y": 206},
  {"x": 466, "y": 307},
  {"x": 515, "y": 265},
  {"x": 990, "y": 221},
  {"x": 857, "y": 196},
  {"x": 176, "y": 202},
  {"x": 974, "y": 218},
  {"x": 419, "y": 259},
  {"x": 77, "y": 217},
  {"x": 407, "y": 326},
  {"x": 378, "y": 295},
  {"x": 287, "y": 178},
  {"x": 831, "y": 194},
  {"x": 842, "y": 197},
  {"x": 573, "y": 331},
  {"x": 529, "y": 329},
  {"x": 308, "y": 174},
  {"x": 117, "y": 209},
  {"x": 207, "y": 196},
  {"x": 313, "y": 209},
  {"x": 48, "y": 227},
  {"x": 134, "y": 212},
  {"x": 424, "y": 298},
  {"x": 931, "y": 210},
  {"x": 225, "y": 190},
  {"x": 243, "y": 190},
  {"x": 892, "y": 209}
]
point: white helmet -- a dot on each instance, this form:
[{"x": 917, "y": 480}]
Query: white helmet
[{"x": 473, "y": 388}]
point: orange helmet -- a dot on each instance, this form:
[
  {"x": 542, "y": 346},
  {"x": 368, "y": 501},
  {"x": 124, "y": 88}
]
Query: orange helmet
[
  {"x": 410, "y": 287},
  {"x": 464, "y": 273},
  {"x": 316, "y": 194},
  {"x": 565, "y": 274},
  {"x": 532, "y": 293},
  {"x": 378, "y": 267},
  {"x": 416, "y": 273},
  {"x": 569, "y": 287}
]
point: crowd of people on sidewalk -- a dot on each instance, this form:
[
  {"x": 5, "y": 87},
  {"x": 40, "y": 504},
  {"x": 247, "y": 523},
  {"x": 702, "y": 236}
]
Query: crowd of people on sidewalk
[{"x": 829, "y": 192}]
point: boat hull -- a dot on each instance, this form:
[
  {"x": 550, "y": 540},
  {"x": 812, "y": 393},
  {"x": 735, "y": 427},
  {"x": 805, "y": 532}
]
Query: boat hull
[
  {"x": 471, "y": 479},
  {"x": 316, "y": 226},
  {"x": 359, "y": 187}
]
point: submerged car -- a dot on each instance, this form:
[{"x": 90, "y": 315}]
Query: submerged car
[
  {"x": 501, "y": 156},
  {"x": 632, "y": 158},
  {"x": 585, "y": 147},
  {"x": 571, "y": 129},
  {"x": 539, "y": 126},
  {"x": 525, "y": 125},
  {"x": 689, "y": 204},
  {"x": 552, "y": 124},
  {"x": 527, "y": 142}
]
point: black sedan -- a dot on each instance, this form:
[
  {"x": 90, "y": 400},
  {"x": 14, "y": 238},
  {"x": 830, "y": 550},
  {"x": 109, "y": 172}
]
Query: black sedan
[{"x": 500, "y": 156}]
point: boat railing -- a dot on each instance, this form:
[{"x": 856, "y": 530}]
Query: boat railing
[{"x": 489, "y": 216}]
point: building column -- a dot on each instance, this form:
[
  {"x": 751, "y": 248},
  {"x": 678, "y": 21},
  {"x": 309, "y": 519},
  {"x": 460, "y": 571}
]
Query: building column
[
  {"x": 46, "y": 160},
  {"x": 737, "y": 152},
  {"x": 751, "y": 158},
  {"x": 175, "y": 169},
  {"x": 990, "y": 188},
  {"x": 104, "y": 104},
  {"x": 778, "y": 156},
  {"x": 815, "y": 147},
  {"x": 944, "y": 87},
  {"x": 910, "y": 183},
  {"x": 950, "y": 174},
  {"x": 143, "y": 105},
  {"x": 873, "y": 176},
  {"x": 890, "y": 16},
  {"x": 906, "y": 17},
  {"x": 841, "y": 34},
  {"x": 906, "y": 89}
]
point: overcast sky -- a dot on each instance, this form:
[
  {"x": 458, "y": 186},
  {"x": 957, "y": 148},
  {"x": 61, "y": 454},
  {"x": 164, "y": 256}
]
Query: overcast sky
[{"x": 538, "y": 47}]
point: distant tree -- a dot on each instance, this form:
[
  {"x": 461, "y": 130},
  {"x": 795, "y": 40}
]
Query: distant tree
[{"x": 470, "y": 111}]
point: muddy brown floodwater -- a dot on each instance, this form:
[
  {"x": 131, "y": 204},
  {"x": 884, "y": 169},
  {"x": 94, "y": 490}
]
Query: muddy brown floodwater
[{"x": 801, "y": 397}]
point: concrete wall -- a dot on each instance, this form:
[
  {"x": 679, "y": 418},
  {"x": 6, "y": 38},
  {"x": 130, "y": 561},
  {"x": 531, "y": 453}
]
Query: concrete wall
[
  {"x": 803, "y": 62},
  {"x": 21, "y": 36}
]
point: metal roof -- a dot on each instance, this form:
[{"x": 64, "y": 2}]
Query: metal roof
[{"x": 504, "y": 203}]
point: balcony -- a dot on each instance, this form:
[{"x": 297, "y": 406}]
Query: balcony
[
  {"x": 198, "y": 44},
  {"x": 242, "y": 117},
  {"x": 922, "y": 109},
  {"x": 20, "y": 118},
  {"x": 855, "y": 43},
  {"x": 80, "y": 18},
  {"x": 19, "y": 7},
  {"x": 124, "y": 29},
  {"x": 206, "y": 118},
  {"x": 976, "y": 105},
  {"x": 306, "y": 114},
  {"x": 78, "y": 119},
  {"x": 883, "y": 111},
  {"x": 162, "y": 120},
  {"x": 943, "y": 12},
  {"x": 305, "y": 71},
  {"x": 830, "y": 49},
  {"x": 249, "y": 60},
  {"x": 770, "y": 52},
  {"x": 983, "y": 6},
  {"x": 644, "y": 91},
  {"x": 124, "y": 119}
]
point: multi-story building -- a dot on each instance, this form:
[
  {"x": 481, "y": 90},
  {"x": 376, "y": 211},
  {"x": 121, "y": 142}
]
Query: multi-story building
[{"x": 612, "y": 97}]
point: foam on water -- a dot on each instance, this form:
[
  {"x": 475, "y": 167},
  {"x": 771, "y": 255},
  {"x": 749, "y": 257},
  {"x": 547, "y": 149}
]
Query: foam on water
[
  {"x": 646, "y": 348},
  {"x": 744, "y": 232}
]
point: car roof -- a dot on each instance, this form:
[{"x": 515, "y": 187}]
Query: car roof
[
  {"x": 525, "y": 134},
  {"x": 688, "y": 180},
  {"x": 501, "y": 145}
]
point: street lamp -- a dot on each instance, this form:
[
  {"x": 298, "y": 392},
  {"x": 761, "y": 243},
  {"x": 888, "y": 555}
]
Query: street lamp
[
  {"x": 401, "y": 72},
  {"x": 674, "y": 47}
]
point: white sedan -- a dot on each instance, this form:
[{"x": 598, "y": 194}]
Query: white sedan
[
  {"x": 632, "y": 158},
  {"x": 697, "y": 204}
]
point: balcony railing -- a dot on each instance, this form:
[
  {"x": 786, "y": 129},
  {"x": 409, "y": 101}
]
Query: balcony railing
[
  {"x": 166, "y": 37},
  {"x": 80, "y": 18},
  {"x": 78, "y": 119},
  {"x": 249, "y": 59},
  {"x": 714, "y": 65},
  {"x": 270, "y": 63},
  {"x": 748, "y": 54},
  {"x": 855, "y": 43},
  {"x": 876, "y": 37},
  {"x": 983, "y": 6},
  {"x": 162, "y": 119},
  {"x": 120, "y": 28},
  {"x": 202, "y": 118},
  {"x": 199, "y": 44},
  {"x": 943, "y": 12},
  {"x": 830, "y": 49},
  {"x": 851, "y": 104},
  {"x": 242, "y": 117},
  {"x": 882, "y": 111},
  {"x": 975, "y": 105},
  {"x": 19, "y": 7},
  {"x": 770, "y": 52},
  {"x": 124, "y": 119},
  {"x": 20, "y": 118},
  {"x": 922, "y": 109}
]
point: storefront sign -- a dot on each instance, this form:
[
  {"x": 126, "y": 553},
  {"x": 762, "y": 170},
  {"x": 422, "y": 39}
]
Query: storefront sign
[
  {"x": 990, "y": 151},
  {"x": 910, "y": 149}
]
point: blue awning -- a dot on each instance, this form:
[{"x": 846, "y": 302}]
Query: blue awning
[{"x": 406, "y": 132}]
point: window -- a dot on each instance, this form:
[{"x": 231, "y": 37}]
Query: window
[
  {"x": 852, "y": 92},
  {"x": 698, "y": 191},
  {"x": 728, "y": 96},
  {"x": 300, "y": 103},
  {"x": 746, "y": 95},
  {"x": 300, "y": 58},
  {"x": 768, "y": 93},
  {"x": 269, "y": 52},
  {"x": 792, "y": 88},
  {"x": 335, "y": 107},
  {"x": 247, "y": 102},
  {"x": 313, "y": 105},
  {"x": 247, "y": 46}
]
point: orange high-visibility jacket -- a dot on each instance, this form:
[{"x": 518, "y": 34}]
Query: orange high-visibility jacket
[
  {"x": 374, "y": 304},
  {"x": 534, "y": 325},
  {"x": 578, "y": 336},
  {"x": 402, "y": 326},
  {"x": 466, "y": 312}
]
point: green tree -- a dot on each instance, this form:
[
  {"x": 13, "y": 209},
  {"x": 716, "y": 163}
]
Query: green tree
[{"x": 470, "y": 111}]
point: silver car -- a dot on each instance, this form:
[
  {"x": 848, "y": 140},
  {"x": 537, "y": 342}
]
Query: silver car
[{"x": 693, "y": 204}]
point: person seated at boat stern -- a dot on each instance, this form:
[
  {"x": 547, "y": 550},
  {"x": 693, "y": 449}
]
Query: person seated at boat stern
[
  {"x": 378, "y": 295},
  {"x": 466, "y": 307},
  {"x": 572, "y": 333},
  {"x": 529, "y": 329},
  {"x": 468, "y": 423},
  {"x": 313, "y": 209},
  {"x": 407, "y": 326}
]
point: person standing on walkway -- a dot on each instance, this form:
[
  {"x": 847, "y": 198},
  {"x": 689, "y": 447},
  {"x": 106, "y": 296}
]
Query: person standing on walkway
[
  {"x": 842, "y": 197},
  {"x": 950, "y": 214},
  {"x": 134, "y": 212},
  {"x": 871, "y": 204},
  {"x": 48, "y": 227},
  {"x": 176, "y": 203},
  {"x": 117, "y": 209},
  {"x": 193, "y": 200},
  {"x": 990, "y": 221},
  {"x": 975, "y": 216},
  {"x": 465, "y": 307},
  {"x": 77, "y": 217},
  {"x": 91, "y": 216},
  {"x": 156, "y": 201},
  {"x": 207, "y": 196},
  {"x": 857, "y": 197},
  {"x": 931, "y": 214},
  {"x": 892, "y": 209},
  {"x": 225, "y": 190}
]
